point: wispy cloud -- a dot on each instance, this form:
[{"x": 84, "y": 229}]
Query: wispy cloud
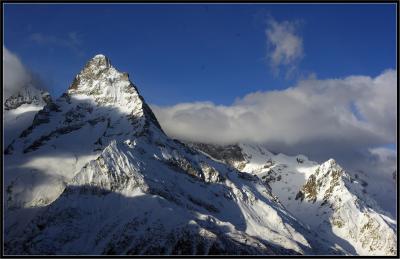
[
  {"x": 72, "y": 41},
  {"x": 284, "y": 45},
  {"x": 315, "y": 117}
]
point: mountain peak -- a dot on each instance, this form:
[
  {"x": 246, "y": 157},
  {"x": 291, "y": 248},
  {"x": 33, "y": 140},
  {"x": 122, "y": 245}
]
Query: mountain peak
[
  {"x": 100, "y": 56},
  {"x": 107, "y": 86},
  {"x": 100, "y": 74},
  {"x": 100, "y": 60},
  {"x": 330, "y": 165}
]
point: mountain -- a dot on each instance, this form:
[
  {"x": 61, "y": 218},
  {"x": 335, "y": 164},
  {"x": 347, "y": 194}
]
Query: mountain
[
  {"x": 322, "y": 196},
  {"x": 94, "y": 173},
  {"x": 381, "y": 187},
  {"x": 20, "y": 108}
]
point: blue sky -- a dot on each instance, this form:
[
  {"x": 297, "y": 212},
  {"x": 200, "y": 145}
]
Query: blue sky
[{"x": 199, "y": 52}]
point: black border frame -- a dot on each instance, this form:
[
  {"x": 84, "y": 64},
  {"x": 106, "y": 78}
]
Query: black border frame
[{"x": 396, "y": 2}]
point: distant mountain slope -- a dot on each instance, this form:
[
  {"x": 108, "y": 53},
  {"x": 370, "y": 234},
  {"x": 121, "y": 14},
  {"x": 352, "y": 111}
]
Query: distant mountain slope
[
  {"x": 19, "y": 110},
  {"x": 325, "y": 197}
]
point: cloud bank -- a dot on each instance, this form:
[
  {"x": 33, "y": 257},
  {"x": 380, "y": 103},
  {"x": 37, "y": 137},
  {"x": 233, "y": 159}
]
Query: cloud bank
[
  {"x": 284, "y": 45},
  {"x": 17, "y": 75},
  {"x": 341, "y": 118}
]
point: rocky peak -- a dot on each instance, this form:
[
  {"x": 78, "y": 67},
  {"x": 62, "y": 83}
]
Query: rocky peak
[
  {"x": 321, "y": 184},
  {"x": 100, "y": 61},
  {"x": 105, "y": 85},
  {"x": 329, "y": 164},
  {"x": 27, "y": 95},
  {"x": 97, "y": 68},
  {"x": 96, "y": 65},
  {"x": 352, "y": 215},
  {"x": 99, "y": 94}
]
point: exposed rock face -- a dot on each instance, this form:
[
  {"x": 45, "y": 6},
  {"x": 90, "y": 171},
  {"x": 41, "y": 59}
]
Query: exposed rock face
[
  {"x": 95, "y": 174},
  {"x": 321, "y": 183},
  {"x": 27, "y": 95},
  {"x": 352, "y": 215},
  {"x": 230, "y": 154},
  {"x": 109, "y": 87}
]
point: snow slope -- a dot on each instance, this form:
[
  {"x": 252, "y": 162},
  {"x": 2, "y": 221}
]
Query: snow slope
[
  {"x": 19, "y": 110},
  {"x": 322, "y": 196},
  {"x": 95, "y": 174}
]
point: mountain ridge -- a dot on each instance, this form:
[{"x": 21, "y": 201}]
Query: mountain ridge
[
  {"x": 95, "y": 173},
  {"x": 323, "y": 196},
  {"x": 97, "y": 152}
]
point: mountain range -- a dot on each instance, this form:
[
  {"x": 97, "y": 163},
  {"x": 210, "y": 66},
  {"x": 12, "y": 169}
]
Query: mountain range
[{"x": 92, "y": 172}]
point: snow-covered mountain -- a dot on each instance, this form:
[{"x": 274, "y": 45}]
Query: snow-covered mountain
[
  {"x": 20, "y": 108},
  {"x": 95, "y": 174},
  {"x": 322, "y": 196}
]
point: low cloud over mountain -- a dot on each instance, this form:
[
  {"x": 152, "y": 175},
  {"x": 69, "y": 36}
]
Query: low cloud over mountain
[{"x": 342, "y": 118}]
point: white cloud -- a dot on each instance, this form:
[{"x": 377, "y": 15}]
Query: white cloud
[
  {"x": 383, "y": 154},
  {"x": 340, "y": 118},
  {"x": 15, "y": 74},
  {"x": 285, "y": 46}
]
